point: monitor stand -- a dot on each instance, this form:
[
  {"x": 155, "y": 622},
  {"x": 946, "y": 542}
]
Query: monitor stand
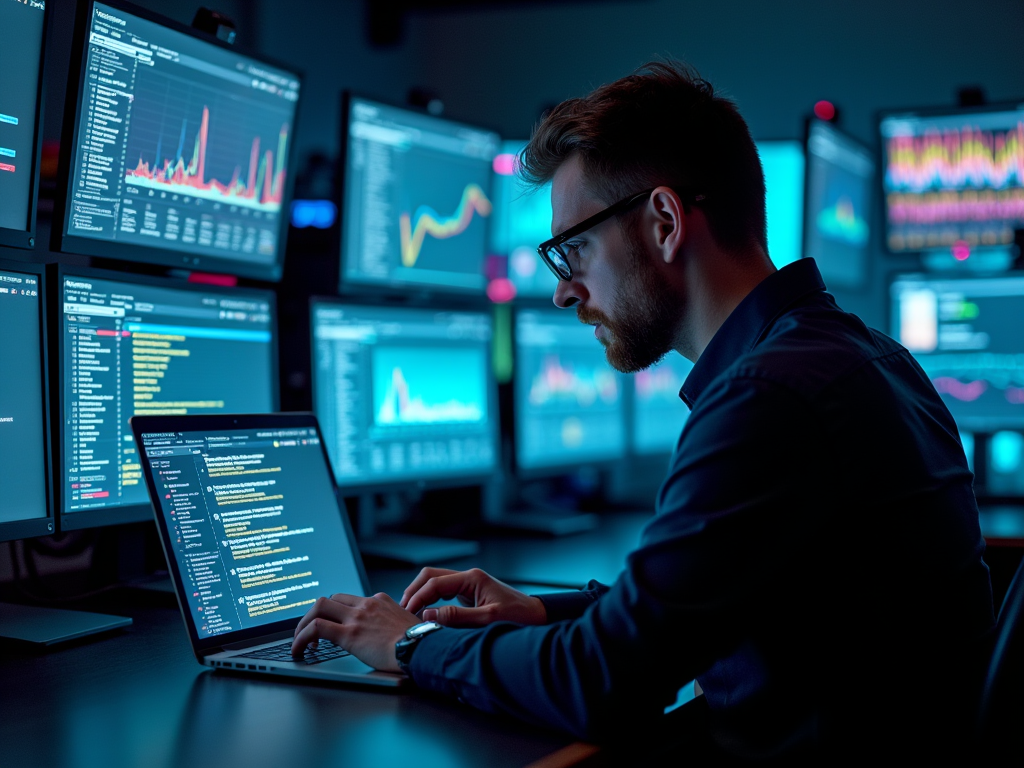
[
  {"x": 405, "y": 548},
  {"x": 535, "y": 517},
  {"x": 44, "y": 627}
]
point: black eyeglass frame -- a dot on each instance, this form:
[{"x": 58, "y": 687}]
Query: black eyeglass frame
[{"x": 555, "y": 243}]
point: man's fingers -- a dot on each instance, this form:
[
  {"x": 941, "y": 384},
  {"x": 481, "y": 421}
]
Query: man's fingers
[
  {"x": 422, "y": 578},
  {"x": 323, "y": 608},
  {"x": 440, "y": 588},
  {"x": 384, "y": 597},
  {"x": 318, "y": 629},
  {"x": 346, "y": 599},
  {"x": 457, "y": 616}
]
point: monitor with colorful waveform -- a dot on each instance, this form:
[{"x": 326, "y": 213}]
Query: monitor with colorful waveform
[
  {"x": 404, "y": 395},
  {"x": 180, "y": 151},
  {"x": 23, "y": 25},
  {"x": 966, "y": 334},
  {"x": 135, "y": 345},
  {"x": 783, "y": 165},
  {"x": 658, "y": 413},
  {"x": 416, "y": 201},
  {"x": 953, "y": 179},
  {"x": 569, "y": 405},
  {"x": 522, "y": 221},
  {"x": 24, "y": 423},
  {"x": 840, "y": 174}
]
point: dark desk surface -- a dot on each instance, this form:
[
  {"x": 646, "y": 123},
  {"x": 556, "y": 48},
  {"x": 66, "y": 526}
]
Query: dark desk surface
[{"x": 138, "y": 697}]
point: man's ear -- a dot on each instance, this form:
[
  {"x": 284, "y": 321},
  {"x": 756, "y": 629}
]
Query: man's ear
[{"x": 669, "y": 222}]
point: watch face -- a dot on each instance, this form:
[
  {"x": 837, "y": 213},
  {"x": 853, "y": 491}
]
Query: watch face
[{"x": 422, "y": 629}]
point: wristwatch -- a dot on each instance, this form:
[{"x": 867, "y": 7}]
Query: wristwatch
[{"x": 413, "y": 635}]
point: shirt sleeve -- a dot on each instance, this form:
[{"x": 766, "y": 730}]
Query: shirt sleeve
[
  {"x": 562, "y": 606},
  {"x": 724, "y": 522}
]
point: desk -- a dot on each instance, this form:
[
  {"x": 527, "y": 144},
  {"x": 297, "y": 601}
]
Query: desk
[{"x": 139, "y": 699}]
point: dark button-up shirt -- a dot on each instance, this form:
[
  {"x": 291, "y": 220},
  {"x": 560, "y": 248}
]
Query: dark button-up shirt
[{"x": 815, "y": 559}]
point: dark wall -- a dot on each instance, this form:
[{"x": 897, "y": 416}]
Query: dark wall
[{"x": 775, "y": 59}]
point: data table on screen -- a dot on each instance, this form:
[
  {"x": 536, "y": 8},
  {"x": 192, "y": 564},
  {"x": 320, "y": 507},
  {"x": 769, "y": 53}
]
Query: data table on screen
[{"x": 138, "y": 349}]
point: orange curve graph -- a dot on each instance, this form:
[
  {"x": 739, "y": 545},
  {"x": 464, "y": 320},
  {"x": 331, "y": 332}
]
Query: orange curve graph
[{"x": 429, "y": 222}]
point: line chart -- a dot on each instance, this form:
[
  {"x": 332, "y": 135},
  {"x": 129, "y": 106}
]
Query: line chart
[{"x": 429, "y": 222}]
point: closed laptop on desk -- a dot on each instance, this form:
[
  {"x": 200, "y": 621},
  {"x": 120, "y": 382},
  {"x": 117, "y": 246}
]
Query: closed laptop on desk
[{"x": 254, "y": 533}]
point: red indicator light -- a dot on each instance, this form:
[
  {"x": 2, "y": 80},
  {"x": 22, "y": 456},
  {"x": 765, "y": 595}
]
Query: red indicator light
[
  {"x": 961, "y": 250},
  {"x": 824, "y": 110},
  {"x": 501, "y": 291}
]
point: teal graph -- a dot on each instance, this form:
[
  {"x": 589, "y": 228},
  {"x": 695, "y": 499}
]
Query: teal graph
[{"x": 422, "y": 386}]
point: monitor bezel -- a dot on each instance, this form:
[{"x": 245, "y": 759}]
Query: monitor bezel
[
  {"x": 570, "y": 466},
  {"x": 132, "y": 513},
  {"x": 62, "y": 242},
  {"x": 880, "y": 165},
  {"x": 865, "y": 278},
  {"x": 463, "y": 480},
  {"x": 38, "y": 526},
  {"x": 893, "y": 276},
  {"x": 352, "y": 289},
  {"x": 204, "y": 423},
  {"x": 26, "y": 238}
]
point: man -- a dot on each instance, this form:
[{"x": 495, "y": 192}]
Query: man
[{"x": 815, "y": 560}]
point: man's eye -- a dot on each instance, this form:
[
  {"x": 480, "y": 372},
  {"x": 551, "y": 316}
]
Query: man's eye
[{"x": 575, "y": 247}]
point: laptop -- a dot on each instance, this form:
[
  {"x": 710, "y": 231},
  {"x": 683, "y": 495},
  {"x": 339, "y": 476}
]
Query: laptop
[{"x": 254, "y": 532}]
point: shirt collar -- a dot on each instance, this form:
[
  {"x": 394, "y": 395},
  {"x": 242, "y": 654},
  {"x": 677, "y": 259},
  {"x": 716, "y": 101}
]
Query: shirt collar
[{"x": 747, "y": 324}]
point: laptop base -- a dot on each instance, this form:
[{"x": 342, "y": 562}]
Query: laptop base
[{"x": 44, "y": 627}]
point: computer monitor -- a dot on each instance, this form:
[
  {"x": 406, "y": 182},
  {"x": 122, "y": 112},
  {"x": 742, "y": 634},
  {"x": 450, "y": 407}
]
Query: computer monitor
[
  {"x": 952, "y": 176},
  {"x": 135, "y": 345},
  {"x": 837, "y": 212},
  {"x": 416, "y": 200},
  {"x": 966, "y": 334},
  {"x": 658, "y": 413},
  {"x": 21, "y": 107},
  {"x": 26, "y": 510},
  {"x": 568, "y": 401},
  {"x": 783, "y": 165},
  {"x": 522, "y": 221},
  {"x": 405, "y": 396},
  {"x": 177, "y": 147}
]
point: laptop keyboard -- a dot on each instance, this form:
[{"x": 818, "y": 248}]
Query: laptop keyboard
[{"x": 325, "y": 651}]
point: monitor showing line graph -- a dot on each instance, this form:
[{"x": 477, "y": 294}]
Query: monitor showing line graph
[
  {"x": 953, "y": 177},
  {"x": 181, "y": 148},
  {"x": 965, "y": 333},
  {"x": 417, "y": 200},
  {"x": 569, "y": 405},
  {"x": 404, "y": 395},
  {"x": 658, "y": 413}
]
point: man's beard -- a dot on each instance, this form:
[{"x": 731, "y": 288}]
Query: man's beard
[{"x": 646, "y": 314}]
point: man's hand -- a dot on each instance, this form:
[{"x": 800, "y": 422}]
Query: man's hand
[
  {"x": 366, "y": 627},
  {"x": 484, "y": 599}
]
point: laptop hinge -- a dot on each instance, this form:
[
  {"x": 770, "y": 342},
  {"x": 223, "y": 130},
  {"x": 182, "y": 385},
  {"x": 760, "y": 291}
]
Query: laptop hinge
[{"x": 258, "y": 640}]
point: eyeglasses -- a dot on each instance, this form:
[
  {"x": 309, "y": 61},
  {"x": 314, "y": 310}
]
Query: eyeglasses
[{"x": 555, "y": 252}]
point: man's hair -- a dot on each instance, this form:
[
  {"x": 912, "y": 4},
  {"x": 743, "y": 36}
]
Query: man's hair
[{"x": 661, "y": 125}]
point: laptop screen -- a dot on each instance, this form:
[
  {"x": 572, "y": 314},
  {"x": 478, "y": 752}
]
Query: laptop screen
[{"x": 253, "y": 524}]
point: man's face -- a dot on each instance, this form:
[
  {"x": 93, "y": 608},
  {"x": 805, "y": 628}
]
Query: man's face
[{"x": 616, "y": 285}]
